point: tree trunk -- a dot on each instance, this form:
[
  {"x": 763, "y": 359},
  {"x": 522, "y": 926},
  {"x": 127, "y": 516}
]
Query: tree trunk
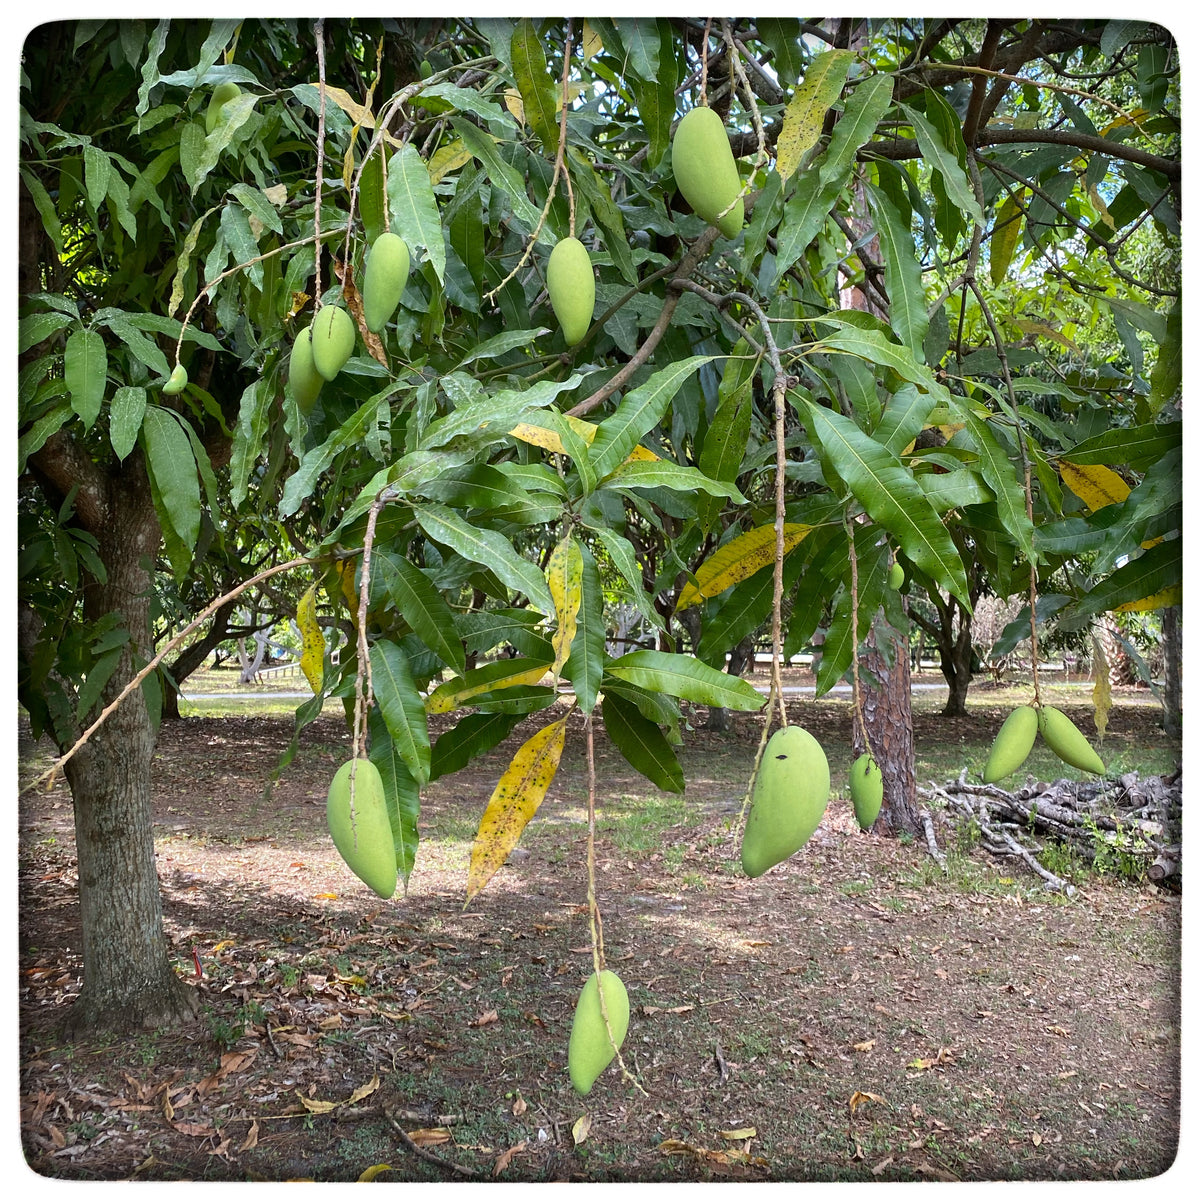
[
  {"x": 887, "y": 714},
  {"x": 1172, "y": 687},
  {"x": 128, "y": 980}
]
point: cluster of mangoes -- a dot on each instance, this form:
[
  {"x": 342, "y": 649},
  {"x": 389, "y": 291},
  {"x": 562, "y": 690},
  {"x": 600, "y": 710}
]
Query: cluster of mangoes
[{"x": 1016, "y": 737}]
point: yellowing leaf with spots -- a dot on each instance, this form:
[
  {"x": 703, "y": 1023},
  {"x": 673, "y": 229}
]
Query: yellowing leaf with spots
[
  {"x": 564, "y": 577},
  {"x": 738, "y": 560},
  {"x": 516, "y": 798},
  {"x": 1096, "y": 485},
  {"x": 592, "y": 42},
  {"x": 547, "y": 439},
  {"x": 312, "y": 653},
  {"x": 805, "y": 115},
  {"x": 1102, "y": 689},
  {"x": 1164, "y": 599},
  {"x": 345, "y": 569},
  {"x": 507, "y": 673},
  {"x": 642, "y": 454},
  {"x": 447, "y": 158}
]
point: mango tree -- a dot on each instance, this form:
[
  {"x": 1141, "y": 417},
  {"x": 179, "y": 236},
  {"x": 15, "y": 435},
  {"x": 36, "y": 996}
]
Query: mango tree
[{"x": 218, "y": 327}]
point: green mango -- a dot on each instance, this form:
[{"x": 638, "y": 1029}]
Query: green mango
[
  {"x": 362, "y": 832},
  {"x": 386, "y": 276},
  {"x": 1012, "y": 745},
  {"x": 306, "y": 381},
  {"x": 332, "y": 340},
  {"x": 789, "y": 799},
  {"x": 221, "y": 95},
  {"x": 590, "y": 1049},
  {"x": 1060, "y": 734},
  {"x": 705, "y": 170},
  {"x": 896, "y": 577},
  {"x": 572, "y": 288},
  {"x": 177, "y": 382},
  {"x": 866, "y": 789}
]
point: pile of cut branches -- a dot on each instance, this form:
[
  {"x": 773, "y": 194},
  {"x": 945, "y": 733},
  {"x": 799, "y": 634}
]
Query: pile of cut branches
[{"x": 1126, "y": 820}]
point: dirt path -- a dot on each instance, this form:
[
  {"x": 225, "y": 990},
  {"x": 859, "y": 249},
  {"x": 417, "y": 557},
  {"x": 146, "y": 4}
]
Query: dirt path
[{"x": 864, "y": 1014}]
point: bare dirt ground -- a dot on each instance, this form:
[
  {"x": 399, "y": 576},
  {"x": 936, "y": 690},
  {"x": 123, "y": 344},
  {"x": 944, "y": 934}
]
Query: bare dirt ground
[{"x": 854, "y": 1014}]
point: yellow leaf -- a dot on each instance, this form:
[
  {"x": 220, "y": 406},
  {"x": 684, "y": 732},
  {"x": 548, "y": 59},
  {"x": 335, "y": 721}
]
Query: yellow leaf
[
  {"x": 580, "y": 1129},
  {"x": 317, "y": 1106},
  {"x": 641, "y": 454},
  {"x": 223, "y": 945},
  {"x": 367, "y": 1088},
  {"x": 1164, "y": 599},
  {"x": 514, "y": 104},
  {"x": 447, "y": 158},
  {"x": 737, "y": 1135},
  {"x": 805, "y": 115},
  {"x": 454, "y": 692},
  {"x": 1047, "y": 331},
  {"x": 547, "y": 439},
  {"x": 371, "y": 1173},
  {"x": 360, "y": 114},
  {"x": 429, "y": 1137},
  {"x": 863, "y": 1097},
  {"x": 592, "y": 43},
  {"x": 515, "y": 799},
  {"x": 737, "y": 560},
  {"x": 1096, "y": 485},
  {"x": 312, "y": 654},
  {"x": 346, "y": 569},
  {"x": 564, "y": 576},
  {"x": 1102, "y": 688},
  {"x": 1006, "y": 233}
]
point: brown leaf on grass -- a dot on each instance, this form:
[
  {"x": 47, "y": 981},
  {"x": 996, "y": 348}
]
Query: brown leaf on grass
[
  {"x": 519, "y": 1106},
  {"x": 880, "y": 1167},
  {"x": 862, "y": 1098},
  {"x": 487, "y": 1018},
  {"x": 251, "y": 1138},
  {"x": 581, "y": 1129},
  {"x": 429, "y": 1137},
  {"x": 865, "y": 1047},
  {"x": 504, "y": 1159},
  {"x": 1058, "y": 1030},
  {"x": 363, "y": 1092}
]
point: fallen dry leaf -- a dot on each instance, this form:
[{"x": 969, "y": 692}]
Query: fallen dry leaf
[
  {"x": 487, "y": 1018},
  {"x": 504, "y": 1159},
  {"x": 738, "y": 1135},
  {"x": 251, "y": 1138},
  {"x": 519, "y": 1105},
  {"x": 865, "y": 1047},
  {"x": 581, "y": 1129},
  {"x": 862, "y": 1098},
  {"x": 429, "y": 1137}
]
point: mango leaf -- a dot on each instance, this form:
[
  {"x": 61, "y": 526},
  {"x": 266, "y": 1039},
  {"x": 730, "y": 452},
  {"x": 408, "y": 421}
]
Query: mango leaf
[
  {"x": 874, "y": 347},
  {"x": 401, "y": 705},
  {"x": 401, "y": 792},
  {"x": 371, "y": 196},
  {"x": 805, "y": 113},
  {"x": 864, "y": 109},
  {"x": 1136, "y": 447},
  {"x": 501, "y": 173},
  {"x": 641, "y": 743},
  {"x": 475, "y": 734},
  {"x": 85, "y": 368},
  {"x": 1096, "y": 485},
  {"x": 125, "y": 419},
  {"x": 1006, "y": 233},
  {"x": 738, "y": 559},
  {"x": 1152, "y": 572},
  {"x": 585, "y": 663},
  {"x": 490, "y": 549},
  {"x": 686, "y": 677},
  {"x": 889, "y": 494},
  {"x": 624, "y": 558},
  {"x": 564, "y": 577},
  {"x": 1167, "y": 598},
  {"x": 874, "y": 560},
  {"x": 662, "y": 474},
  {"x": 638, "y": 413},
  {"x": 172, "y": 468},
  {"x": 520, "y": 698},
  {"x": 506, "y": 673},
  {"x": 254, "y": 419},
  {"x": 902, "y": 273},
  {"x": 942, "y": 159},
  {"x": 513, "y": 803},
  {"x": 421, "y": 604},
  {"x": 1167, "y": 375},
  {"x": 312, "y": 653},
  {"x": 415, "y": 215},
  {"x": 534, "y": 84},
  {"x": 1000, "y": 474},
  {"x": 35, "y": 329}
]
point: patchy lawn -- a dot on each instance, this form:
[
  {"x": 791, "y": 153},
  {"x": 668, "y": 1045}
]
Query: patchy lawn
[{"x": 854, "y": 1014}]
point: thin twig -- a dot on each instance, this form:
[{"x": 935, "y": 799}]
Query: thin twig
[
  {"x": 52, "y": 771},
  {"x": 428, "y": 1155}
]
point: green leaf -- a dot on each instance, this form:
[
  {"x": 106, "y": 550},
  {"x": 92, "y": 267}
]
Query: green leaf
[
  {"x": 35, "y": 329},
  {"x": 624, "y": 558},
  {"x": 805, "y": 114},
  {"x": 1001, "y": 474},
  {"x": 585, "y": 664},
  {"x": 175, "y": 480},
  {"x": 483, "y": 146},
  {"x": 258, "y": 206},
  {"x": 664, "y": 474},
  {"x": 492, "y": 417},
  {"x": 1153, "y": 571},
  {"x": 1137, "y": 446},
  {"x": 85, "y": 368},
  {"x": 1167, "y": 375},
  {"x": 686, "y": 677},
  {"x": 489, "y": 548},
  {"x": 864, "y": 109},
  {"x": 606, "y": 212},
  {"x": 474, "y": 735},
  {"x": 420, "y": 604},
  {"x": 874, "y": 561},
  {"x": 1006, "y": 234},
  {"x": 638, "y": 413},
  {"x": 415, "y": 215},
  {"x": 641, "y": 743},
  {"x": 401, "y": 792},
  {"x": 534, "y": 84},
  {"x": 889, "y": 494},
  {"x": 254, "y": 419},
  {"x": 402, "y": 707},
  {"x": 954, "y": 490},
  {"x": 125, "y": 418},
  {"x": 144, "y": 349},
  {"x": 943, "y": 160},
  {"x": 874, "y": 347},
  {"x": 902, "y": 273},
  {"x": 40, "y": 432}
]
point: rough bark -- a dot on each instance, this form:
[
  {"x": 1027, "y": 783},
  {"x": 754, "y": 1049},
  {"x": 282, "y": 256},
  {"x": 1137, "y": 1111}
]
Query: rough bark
[
  {"x": 1172, "y": 657},
  {"x": 887, "y": 714}
]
